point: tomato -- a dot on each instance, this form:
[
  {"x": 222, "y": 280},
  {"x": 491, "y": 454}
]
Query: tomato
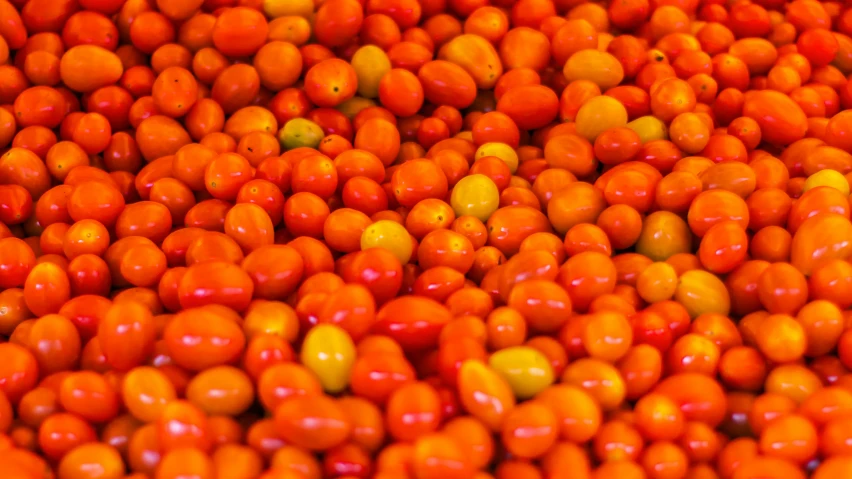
[
  {"x": 315, "y": 423},
  {"x": 221, "y": 339},
  {"x": 764, "y": 107},
  {"x": 330, "y": 83},
  {"x": 239, "y": 31},
  {"x": 446, "y": 83},
  {"x": 474, "y": 239},
  {"x": 476, "y": 56},
  {"x": 174, "y": 91},
  {"x": 86, "y": 68}
]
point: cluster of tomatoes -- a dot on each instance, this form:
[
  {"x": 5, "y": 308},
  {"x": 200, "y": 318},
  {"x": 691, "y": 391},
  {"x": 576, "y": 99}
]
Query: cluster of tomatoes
[{"x": 425, "y": 239}]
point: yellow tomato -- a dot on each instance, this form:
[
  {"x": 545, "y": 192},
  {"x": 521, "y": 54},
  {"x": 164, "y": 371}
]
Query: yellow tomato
[
  {"x": 300, "y": 132},
  {"x": 649, "y": 128},
  {"x": 328, "y": 352},
  {"x": 831, "y": 178},
  {"x": 370, "y": 63},
  {"x": 600, "y": 68},
  {"x": 702, "y": 292},
  {"x": 599, "y": 114},
  {"x": 502, "y": 151},
  {"x": 391, "y": 236},
  {"x": 526, "y": 369},
  {"x": 475, "y": 195}
]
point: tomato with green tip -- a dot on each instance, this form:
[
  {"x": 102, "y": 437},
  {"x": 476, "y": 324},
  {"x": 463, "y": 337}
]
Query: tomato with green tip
[{"x": 300, "y": 133}]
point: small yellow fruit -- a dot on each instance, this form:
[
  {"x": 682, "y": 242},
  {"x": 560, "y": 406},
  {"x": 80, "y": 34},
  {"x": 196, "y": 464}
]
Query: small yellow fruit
[
  {"x": 598, "y": 115},
  {"x": 329, "y": 352},
  {"x": 526, "y": 369},
  {"x": 391, "y": 236},
  {"x": 500, "y": 150},
  {"x": 831, "y": 178},
  {"x": 649, "y": 128},
  {"x": 370, "y": 63},
  {"x": 475, "y": 195},
  {"x": 702, "y": 292}
]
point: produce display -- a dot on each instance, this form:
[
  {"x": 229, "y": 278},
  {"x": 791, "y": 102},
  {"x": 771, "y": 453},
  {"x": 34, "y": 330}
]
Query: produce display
[{"x": 425, "y": 239}]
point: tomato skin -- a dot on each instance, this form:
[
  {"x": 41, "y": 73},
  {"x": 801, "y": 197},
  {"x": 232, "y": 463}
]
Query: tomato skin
[
  {"x": 159, "y": 136},
  {"x": 442, "y": 239},
  {"x": 16, "y": 204},
  {"x": 530, "y": 106},
  {"x": 79, "y": 60},
  {"x": 418, "y": 180},
  {"x": 476, "y": 56},
  {"x": 380, "y": 137},
  {"x": 295, "y": 419},
  {"x": 39, "y": 105},
  {"x": 384, "y": 286},
  {"x": 13, "y": 29},
  {"x": 279, "y": 278},
  {"x": 781, "y": 120},
  {"x": 338, "y": 22},
  {"x": 401, "y": 92},
  {"x": 126, "y": 334},
  {"x": 446, "y": 83},
  {"x": 199, "y": 338},
  {"x": 46, "y": 288},
  {"x": 415, "y": 332},
  {"x": 19, "y": 166},
  {"x": 330, "y": 83},
  {"x": 240, "y": 31},
  {"x": 174, "y": 91},
  {"x": 226, "y": 174},
  {"x": 215, "y": 282}
]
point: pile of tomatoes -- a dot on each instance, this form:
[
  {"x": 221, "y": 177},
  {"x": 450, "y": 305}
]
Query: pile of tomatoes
[{"x": 425, "y": 239}]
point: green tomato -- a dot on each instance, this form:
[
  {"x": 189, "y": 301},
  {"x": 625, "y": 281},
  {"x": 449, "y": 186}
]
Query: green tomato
[
  {"x": 300, "y": 132},
  {"x": 370, "y": 64},
  {"x": 391, "y": 236},
  {"x": 475, "y": 195}
]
